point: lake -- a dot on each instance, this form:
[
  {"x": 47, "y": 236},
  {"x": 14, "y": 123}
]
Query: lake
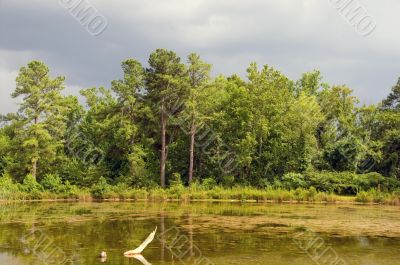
[{"x": 199, "y": 233}]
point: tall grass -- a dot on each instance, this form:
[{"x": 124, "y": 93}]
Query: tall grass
[
  {"x": 376, "y": 196},
  {"x": 52, "y": 189}
]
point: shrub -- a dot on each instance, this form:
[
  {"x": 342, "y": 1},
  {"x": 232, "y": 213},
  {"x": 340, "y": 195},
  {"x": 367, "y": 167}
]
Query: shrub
[
  {"x": 176, "y": 180},
  {"x": 195, "y": 186},
  {"x": 53, "y": 183},
  {"x": 277, "y": 184},
  {"x": 100, "y": 189},
  {"x": 298, "y": 194},
  {"x": 209, "y": 183},
  {"x": 228, "y": 181},
  {"x": 326, "y": 181},
  {"x": 293, "y": 181},
  {"x": 263, "y": 183},
  {"x": 30, "y": 184},
  {"x": 122, "y": 191},
  {"x": 364, "y": 197},
  {"x": 31, "y": 187},
  {"x": 176, "y": 188},
  {"x": 347, "y": 183},
  {"x": 9, "y": 189},
  {"x": 73, "y": 192},
  {"x": 176, "y": 191}
]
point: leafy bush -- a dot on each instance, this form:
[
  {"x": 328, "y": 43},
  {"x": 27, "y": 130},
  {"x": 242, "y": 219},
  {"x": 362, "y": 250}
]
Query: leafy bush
[
  {"x": 176, "y": 180},
  {"x": 73, "y": 192},
  {"x": 176, "y": 187},
  {"x": 228, "y": 181},
  {"x": 328, "y": 181},
  {"x": 52, "y": 183},
  {"x": 32, "y": 187},
  {"x": 122, "y": 191},
  {"x": 293, "y": 181},
  {"x": 209, "y": 183},
  {"x": 347, "y": 183},
  {"x": 263, "y": 183},
  {"x": 100, "y": 189},
  {"x": 30, "y": 184},
  {"x": 9, "y": 189}
]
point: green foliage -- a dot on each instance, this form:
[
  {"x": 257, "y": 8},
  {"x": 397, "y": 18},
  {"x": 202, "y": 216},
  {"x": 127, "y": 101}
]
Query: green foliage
[
  {"x": 209, "y": 183},
  {"x": 5, "y": 145},
  {"x": 69, "y": 191},
  {"x": 176, "y": 180},
  {"x": 392, "y": 102},
  {"x": 158, "y": 195},
  {"x": 31, "y": 187},
  {"x": 372, "y": 195},
  {"x": 9, "y": 189},
  {"x": 228, "y": 181},
  {"x": 176, "y": 187},
  {"x": 294, "y": 181},
  {"x": 172, "y": 123},
  {"x": 41, "y": 119},
  {"x": 166, "y": 90},
  {"x": 30, "y": 184},
  {"x": 52, "y": 183},
  {"x": 100, "y": 189},
  {"x": 339, "y": 182},
  {"x": 301, "y": 194}
]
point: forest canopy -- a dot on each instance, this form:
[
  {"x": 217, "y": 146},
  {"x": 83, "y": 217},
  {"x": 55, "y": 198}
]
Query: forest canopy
[{"x": 172, "y": 121}]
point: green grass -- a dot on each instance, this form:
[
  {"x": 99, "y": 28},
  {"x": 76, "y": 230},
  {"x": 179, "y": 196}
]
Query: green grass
[
  {"x": 311, "y": 195},
  {"x": 376, "y": 196},
  {"x": 30, "y": 190}
]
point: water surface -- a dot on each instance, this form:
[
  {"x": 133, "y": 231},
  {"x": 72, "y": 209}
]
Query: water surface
[{"x": 199, "y": 233}]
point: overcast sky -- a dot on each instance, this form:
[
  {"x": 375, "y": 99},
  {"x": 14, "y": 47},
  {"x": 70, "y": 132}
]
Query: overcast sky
[{"x": 294, "y": 36}]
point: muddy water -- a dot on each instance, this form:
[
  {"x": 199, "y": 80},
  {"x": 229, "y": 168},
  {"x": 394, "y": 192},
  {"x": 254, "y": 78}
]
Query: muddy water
[{"x": 199, "y": 233}]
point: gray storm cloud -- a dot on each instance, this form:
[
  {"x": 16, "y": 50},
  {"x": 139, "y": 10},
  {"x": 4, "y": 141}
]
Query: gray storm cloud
[{"x": 293, "y": 36}]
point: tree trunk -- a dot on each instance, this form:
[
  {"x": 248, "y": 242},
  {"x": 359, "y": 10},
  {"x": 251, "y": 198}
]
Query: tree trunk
[
  {"x": 34, "y": 159},
  {"x": 163, "y": 144},
  {"x": 191, "y": 162},
  {"x": 34, "y": 167}
]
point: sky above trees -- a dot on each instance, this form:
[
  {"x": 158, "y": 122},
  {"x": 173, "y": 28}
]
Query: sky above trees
[{"x": 294, "y": 36}]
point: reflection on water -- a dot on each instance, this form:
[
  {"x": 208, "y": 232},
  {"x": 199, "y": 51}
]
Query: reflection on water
[{"x": 198, "y": 233}]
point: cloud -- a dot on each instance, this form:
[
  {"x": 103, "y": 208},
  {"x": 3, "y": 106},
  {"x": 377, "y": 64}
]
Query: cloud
[
  {"x": 7, "y": 86},
  {"x": 294, "y": 36}
]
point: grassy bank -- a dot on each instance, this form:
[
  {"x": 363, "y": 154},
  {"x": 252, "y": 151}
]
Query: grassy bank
[
  {"x": 278, "y": 195},
  {"x": 52, "y": 189}
]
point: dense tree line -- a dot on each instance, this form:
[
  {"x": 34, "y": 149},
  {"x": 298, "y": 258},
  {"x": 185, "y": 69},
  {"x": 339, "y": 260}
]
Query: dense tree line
[{"x": 171, "y": 121}]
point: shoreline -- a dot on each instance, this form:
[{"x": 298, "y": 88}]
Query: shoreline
[{"x": 291, "y": 202}]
